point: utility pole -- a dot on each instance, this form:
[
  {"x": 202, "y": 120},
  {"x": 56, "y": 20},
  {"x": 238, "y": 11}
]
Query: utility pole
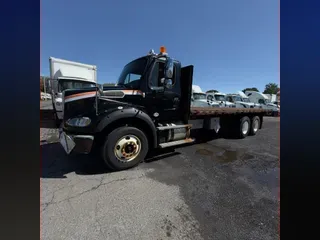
[{"x": 44, "y": 84}]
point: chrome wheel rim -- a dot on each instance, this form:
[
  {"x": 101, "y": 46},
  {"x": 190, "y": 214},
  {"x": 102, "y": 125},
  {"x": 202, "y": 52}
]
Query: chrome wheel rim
[
  {"x": 127, "y": 148},
  {"x": 255, "y": 125},
  {"x": 245, "y": 127}
]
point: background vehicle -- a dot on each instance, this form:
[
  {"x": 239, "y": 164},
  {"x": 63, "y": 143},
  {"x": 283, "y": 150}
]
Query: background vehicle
[
  {"x": 149, "y": 108},
  {"x": 264, "y": 101},
  {"x": 45, "y": 96},
  {"x": 277, "y": 103},
  {"x": 271, "y": 97},
  {"x": 199, "y": 99},
  {"x": 246, "y": 99},
  {"x": 241, "y": 100},
  {"x": 68, "y": 75},
  {"x": 220, "y": 98}
]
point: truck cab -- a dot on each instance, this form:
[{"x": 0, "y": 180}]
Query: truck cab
[
  {"x": 143, "y": 83},
  {"x": 220, "y": 98},
  {"x": 241, "y": 100},
  {"x": 263, "y": 100},
  {"x": 199, "y": 98}
]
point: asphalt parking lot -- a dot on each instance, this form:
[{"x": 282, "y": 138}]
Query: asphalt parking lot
[{"x": 222, "y": 189}]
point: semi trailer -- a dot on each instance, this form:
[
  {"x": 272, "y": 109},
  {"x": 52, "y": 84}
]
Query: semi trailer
[{"x": 148, "y": 109}]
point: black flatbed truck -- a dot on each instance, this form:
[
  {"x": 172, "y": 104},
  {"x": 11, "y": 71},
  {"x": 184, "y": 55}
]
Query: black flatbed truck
[{"x": 149, "y": 108}]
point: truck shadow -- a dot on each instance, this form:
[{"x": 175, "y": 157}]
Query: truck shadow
[
  {"x": 47, "y": 118},
  {"x": 55, "y": 163},
  {"x": 203, "y": 135}
]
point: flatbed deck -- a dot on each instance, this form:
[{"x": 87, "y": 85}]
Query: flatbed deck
[{"x": 211, "y": 111}]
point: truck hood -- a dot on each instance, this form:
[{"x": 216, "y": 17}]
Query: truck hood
[
  {"x": 272, "y": 105},
  {"x": 229, "y": 103},
  {"x": 248, "y": 103},
  {"x": 203, "y": 103},
  {"x": 211, "y": 103},
  {"x": 116, "y": 87},
  {"x": 90, "y": 102},
  {"x": 226, "y": 103}
]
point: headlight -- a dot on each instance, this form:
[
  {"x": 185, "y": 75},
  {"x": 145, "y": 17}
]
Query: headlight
[{"x": 79, "y": 122}]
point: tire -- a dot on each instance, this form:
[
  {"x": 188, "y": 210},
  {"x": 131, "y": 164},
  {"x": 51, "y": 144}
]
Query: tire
[
  {"x": 255, "y": 125},
  {"x": 244, "y": 127},
  {"x": 124, "y": 148}
]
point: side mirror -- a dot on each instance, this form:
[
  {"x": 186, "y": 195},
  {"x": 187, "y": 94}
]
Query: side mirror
[
  {"x": 167, "y": 84},
  {"x": 168, "y": 72}
]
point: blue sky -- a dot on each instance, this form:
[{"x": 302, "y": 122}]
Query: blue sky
[{"x": 232, "y": 44}]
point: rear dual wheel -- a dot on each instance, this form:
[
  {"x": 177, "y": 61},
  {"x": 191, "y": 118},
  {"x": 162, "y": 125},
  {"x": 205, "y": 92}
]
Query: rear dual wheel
[
  {"x": 244, "y": 129},
  {"x": 249, "y": 126},
  {"x": 255, "y": 125},
  {"x": 124, "y": 147}
]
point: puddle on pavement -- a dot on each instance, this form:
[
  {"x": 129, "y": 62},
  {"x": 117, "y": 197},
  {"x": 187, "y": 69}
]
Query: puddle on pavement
[{"x": 222, "y": 155}]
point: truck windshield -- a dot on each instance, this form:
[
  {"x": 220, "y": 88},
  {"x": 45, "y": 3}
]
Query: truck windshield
[
  {"x": 132, "y": 73},
  {"x": 236, "y": 98},
  {"x": 199, "y": 96},
  {"x": 220, "y": 97},
  {"x": 73, "y": 84},
  {"x": 261, "y": 101}
]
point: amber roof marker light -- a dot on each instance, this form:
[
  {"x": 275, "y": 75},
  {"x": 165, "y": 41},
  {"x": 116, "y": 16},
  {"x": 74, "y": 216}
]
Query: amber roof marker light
[{"x": 163, "y": 49}]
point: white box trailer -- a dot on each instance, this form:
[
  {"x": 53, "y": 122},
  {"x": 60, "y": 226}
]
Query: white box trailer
[
  {"x": 65, "y": 75},
  {"x": 60, "y": 68}
]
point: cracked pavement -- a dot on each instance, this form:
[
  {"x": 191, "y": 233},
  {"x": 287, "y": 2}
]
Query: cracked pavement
[{"x": 222, "y": 189}]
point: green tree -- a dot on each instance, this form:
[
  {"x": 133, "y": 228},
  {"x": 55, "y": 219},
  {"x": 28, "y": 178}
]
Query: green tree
[
  {"x": 250, "y": 89},
  {"x": 212, "y": 91},
  {"x": 271, "y": 88}
]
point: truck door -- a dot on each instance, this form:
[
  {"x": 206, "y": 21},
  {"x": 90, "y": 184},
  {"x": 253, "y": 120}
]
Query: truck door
[
  {"x": 185, "y": 82},
  {"x": 163, "y": 104}
]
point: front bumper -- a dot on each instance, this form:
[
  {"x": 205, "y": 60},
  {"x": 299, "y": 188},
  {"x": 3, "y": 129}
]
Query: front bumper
[{"x": 76, "y": 143}]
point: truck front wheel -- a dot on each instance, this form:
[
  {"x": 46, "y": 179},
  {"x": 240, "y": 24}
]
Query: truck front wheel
[
  {"x": 244, "y": 127},
  {"x": 124, "y": 147}
]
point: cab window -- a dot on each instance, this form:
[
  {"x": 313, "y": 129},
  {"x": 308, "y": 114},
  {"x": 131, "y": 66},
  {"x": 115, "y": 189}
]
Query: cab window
[
  {"x": 210, "y": 98},
  {"x": 132, "y": 73},
  {"x": 157, "y": 75},
  {"x": 229, "y": 99}
]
